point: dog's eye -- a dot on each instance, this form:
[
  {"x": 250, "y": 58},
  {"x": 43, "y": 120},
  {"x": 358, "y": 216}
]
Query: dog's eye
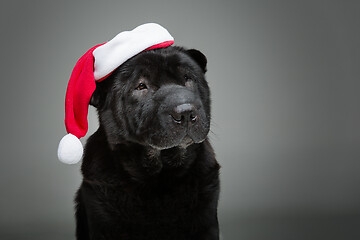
[
  {"x": 141, "y": 86},
  {"x": 187, "y": 77}
]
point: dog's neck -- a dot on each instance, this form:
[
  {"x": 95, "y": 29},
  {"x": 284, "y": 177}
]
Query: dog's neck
[
  {"x": 146, "y": 161},
  {"x": 137, "y": 162}
]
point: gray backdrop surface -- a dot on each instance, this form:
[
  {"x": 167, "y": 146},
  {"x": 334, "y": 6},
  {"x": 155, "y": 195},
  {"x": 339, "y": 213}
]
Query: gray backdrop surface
[{"x": 285, "y": 80}]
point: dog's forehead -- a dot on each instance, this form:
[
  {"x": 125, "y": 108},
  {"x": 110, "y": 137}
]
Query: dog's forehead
[
  {"x": 162, "y": 60},
  {"x": 160, "y": 67}
]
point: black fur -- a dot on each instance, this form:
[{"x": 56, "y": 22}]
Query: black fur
[{"x": 149, "y": 172}]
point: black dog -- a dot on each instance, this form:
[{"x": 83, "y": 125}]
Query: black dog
[{"x": 149, "y": 172}]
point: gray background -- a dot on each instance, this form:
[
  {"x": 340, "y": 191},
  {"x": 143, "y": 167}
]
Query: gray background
[{"x": 286, "y": 119}]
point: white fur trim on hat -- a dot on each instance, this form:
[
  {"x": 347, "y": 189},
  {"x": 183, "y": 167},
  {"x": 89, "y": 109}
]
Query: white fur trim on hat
[
  {"x": 70, "y": 149},
  {"x": 125, "y": 45}
]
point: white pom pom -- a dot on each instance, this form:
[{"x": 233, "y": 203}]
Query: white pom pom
[{"x": 70, "y": 149}]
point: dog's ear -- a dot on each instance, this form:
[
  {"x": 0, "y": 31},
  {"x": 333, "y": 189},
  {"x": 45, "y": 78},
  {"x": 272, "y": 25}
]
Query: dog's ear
[
  {"x": 95, "y": 98},
  {"x": 199, "y": 58},
  {"x": 102, "y": 92},
  {"x": 98, "y": 97}
]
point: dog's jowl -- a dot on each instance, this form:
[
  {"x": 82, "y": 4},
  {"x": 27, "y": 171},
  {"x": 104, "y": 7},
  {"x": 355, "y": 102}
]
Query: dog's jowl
[{"x": 149, "y": 171}]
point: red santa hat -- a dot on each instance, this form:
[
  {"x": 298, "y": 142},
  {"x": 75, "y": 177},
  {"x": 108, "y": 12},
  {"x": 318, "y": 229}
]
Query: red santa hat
[{"x": 94, "y": 66}]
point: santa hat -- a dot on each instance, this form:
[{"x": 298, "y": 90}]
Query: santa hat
[{"x": 94, "y": 66}]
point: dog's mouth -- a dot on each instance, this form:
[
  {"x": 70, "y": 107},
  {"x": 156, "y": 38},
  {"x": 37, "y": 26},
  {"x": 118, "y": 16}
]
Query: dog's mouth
[
  {"x": 186, "y": 141},
  {"x": 182, "y": 141}
]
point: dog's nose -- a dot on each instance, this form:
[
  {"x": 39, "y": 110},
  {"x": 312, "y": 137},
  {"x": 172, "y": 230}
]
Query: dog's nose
[{"x": 184, "y": 113}]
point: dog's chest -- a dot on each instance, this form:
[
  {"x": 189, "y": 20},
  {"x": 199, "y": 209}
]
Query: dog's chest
[{"x": 161, "y": 203}]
